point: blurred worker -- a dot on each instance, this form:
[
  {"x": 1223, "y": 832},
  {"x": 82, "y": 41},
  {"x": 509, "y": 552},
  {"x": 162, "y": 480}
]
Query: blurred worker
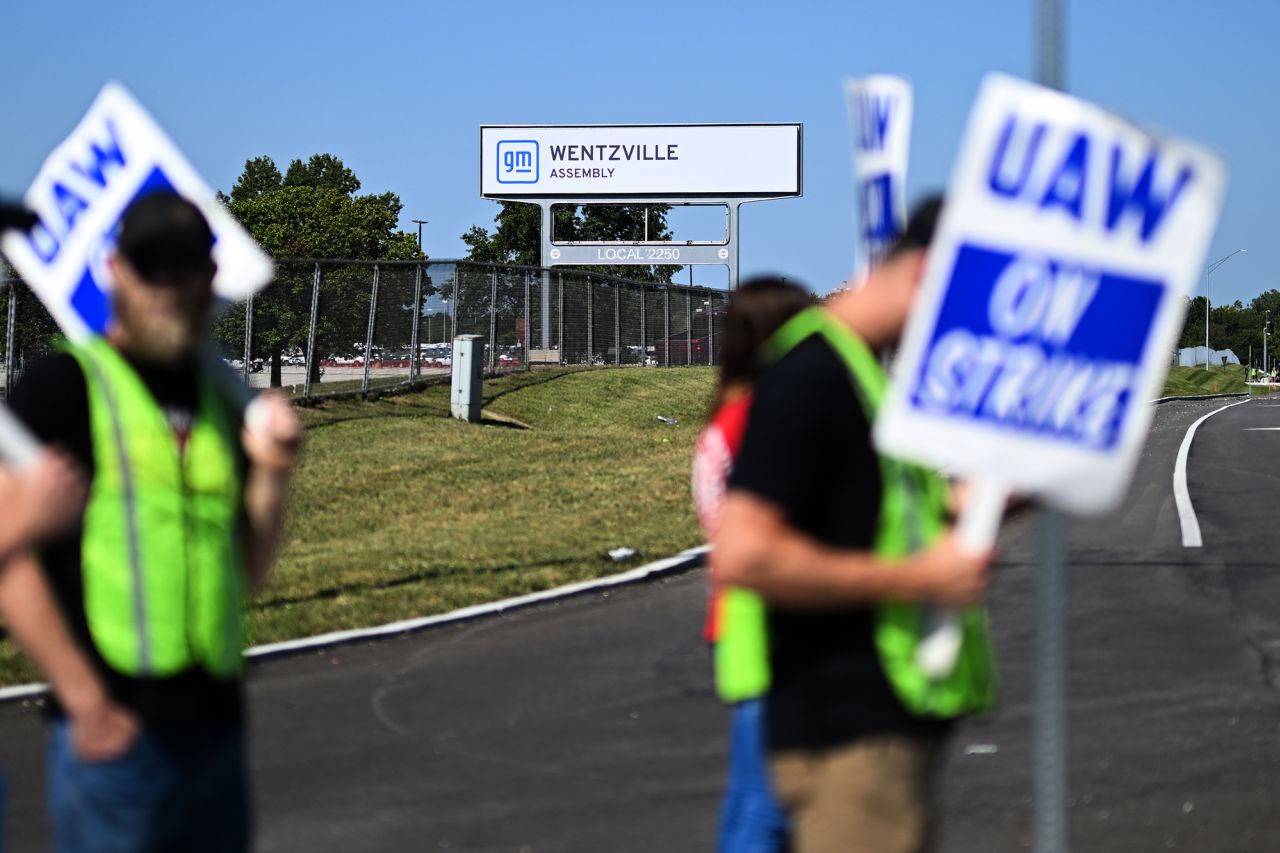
[
  {"x": 751, "y": 820},
  {"x": 848, "y": 548},
  {"x": 136, "y": 617}
]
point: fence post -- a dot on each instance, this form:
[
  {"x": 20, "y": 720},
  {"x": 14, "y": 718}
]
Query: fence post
[
  {"x": 545, "y": 322},
  {"x": 666, "y": 327},
  {"x": 711, "y": 329},
  {"x": 311, "y": 330},
  {"x": 617, "y": 323},
  {"x": 688, "y": 329},
  {"x": 493, "y": 320},
  {"x": 453, "y": 315},
  {"x": 248, "y": 337},
  {"x": 560, "y": 309},
  {"x": 368, "y": 337},
  {"x": 10, "y": 362},
  {"x": 644, "y": 333},
  {"x": 591, "y": 322},
  {"x": 414, "y": 366}
]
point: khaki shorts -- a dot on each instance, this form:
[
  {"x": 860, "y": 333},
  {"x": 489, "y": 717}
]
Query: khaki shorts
[{"x": 872, "y": 796}]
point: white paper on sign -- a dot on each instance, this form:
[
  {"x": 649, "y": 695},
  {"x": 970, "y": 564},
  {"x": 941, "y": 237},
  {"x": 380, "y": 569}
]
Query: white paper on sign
[
  {"x": 116, "y": 154},
  {"x": 880, "y": 112},
  {"x": 1052, "y": 296}
]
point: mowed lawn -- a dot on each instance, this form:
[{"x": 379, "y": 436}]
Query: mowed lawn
[
  {"x": 1194, "y": 381},
  {"x": 400, "y": 511}
]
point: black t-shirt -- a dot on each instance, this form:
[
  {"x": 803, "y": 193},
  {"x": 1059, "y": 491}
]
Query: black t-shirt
[
  {"x": 52, "y": 399},
  {"x": 807, "y": 451}
]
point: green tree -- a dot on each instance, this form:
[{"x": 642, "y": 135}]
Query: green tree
[
  {"x": 1237, "y": 327},
  {"x": 260, "y": 175},
  {"x": 516, "y": 238},
  {"x": 314, "y": 211}
]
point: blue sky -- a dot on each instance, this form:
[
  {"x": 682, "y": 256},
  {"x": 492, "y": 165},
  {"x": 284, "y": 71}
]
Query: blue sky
[{"x": 399, "y": 91}]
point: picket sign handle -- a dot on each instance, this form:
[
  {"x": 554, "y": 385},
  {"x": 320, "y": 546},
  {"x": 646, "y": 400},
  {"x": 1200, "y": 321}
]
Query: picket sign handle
[
  {"x": 979, "y": 525},
  {"x": 18, "y": 447}
]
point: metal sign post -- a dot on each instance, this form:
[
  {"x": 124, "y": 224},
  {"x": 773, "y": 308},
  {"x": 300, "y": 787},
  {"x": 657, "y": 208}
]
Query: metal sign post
[
  {"x": 1052, "y": 293},
  {"x": 1049, "y": 718}
]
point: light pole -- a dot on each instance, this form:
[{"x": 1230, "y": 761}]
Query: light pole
[
  {"x": 1266, "y": 330},
  {"x": 419, "y": 223},
  {"x": 1208, "y": 269}
]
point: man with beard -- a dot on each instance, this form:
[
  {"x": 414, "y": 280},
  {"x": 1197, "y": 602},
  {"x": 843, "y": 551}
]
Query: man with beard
[{"x": 136, "y": 616}]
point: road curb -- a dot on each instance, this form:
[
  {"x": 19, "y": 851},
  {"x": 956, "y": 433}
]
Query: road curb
[
  {"x": 682, "y": 562},
  {"x": 1160, "y": 400}
]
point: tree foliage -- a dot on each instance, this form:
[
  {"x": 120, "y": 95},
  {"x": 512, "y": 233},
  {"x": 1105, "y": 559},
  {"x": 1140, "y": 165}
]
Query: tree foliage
[
  {"x": 314, "y": 210},
  {"x": 1236, "y": 326}
]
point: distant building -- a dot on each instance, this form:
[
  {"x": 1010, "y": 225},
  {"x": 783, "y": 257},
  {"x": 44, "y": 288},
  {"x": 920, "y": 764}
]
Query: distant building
[{"x": 1193, "y": 356}]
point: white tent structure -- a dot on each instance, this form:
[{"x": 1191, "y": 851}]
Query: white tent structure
[{"x": 1193, "y": 356}]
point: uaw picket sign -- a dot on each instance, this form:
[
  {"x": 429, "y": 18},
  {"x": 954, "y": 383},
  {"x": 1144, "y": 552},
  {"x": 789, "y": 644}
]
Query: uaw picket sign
[
  {"x": 116, "y": 154},
  {"x": 880, "y": 111},
  {"x": 1052, "y": 295}
]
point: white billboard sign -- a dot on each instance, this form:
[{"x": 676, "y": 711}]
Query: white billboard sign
[
  {"x": 116, "y": 154},
  {"x": 880, "y": 111},
  {"x": 1052, "y": 296},
  {"x": 641, "y": 161}
]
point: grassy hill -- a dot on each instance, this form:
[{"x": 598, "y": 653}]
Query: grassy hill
[
  {"x": 1193, "y": 381},
  {"x": 400, "y": 511}
]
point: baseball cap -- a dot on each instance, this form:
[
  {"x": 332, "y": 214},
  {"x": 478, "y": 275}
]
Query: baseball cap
[{"x": 165, "y": 238}]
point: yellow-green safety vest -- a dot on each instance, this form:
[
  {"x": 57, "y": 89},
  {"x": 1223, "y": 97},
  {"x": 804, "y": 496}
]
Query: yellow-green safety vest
[
  {"x": 162, "y": 560},
  {"x": 912, "y": 515}
]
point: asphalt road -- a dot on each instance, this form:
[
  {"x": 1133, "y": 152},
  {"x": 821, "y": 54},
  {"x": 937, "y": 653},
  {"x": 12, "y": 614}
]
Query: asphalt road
[{"x": 589, "y": 725}]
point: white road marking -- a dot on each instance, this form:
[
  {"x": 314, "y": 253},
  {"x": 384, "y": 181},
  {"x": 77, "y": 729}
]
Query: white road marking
[
  {"x": 1262, "y": 429},
  {"x": 1186, "y": 513}
]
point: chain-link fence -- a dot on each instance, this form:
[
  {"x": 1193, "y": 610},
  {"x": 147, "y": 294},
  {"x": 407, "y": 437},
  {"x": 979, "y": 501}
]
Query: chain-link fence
[{"x": 325, "y": 326}]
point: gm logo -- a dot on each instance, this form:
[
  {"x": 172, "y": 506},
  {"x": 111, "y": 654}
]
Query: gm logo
[{"x": 518, "y": 161}]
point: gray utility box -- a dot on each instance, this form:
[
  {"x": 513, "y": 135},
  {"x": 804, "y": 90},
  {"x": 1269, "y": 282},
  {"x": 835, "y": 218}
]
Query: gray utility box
[{"x": 468, "y": 377}]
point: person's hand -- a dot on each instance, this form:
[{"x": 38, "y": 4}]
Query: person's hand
[
  {"x": 47, "y": 497},
  {"x": 948, "y": 573},
  {"x": 102, "y": 730},
  {"x": 272, "y": 433}
]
